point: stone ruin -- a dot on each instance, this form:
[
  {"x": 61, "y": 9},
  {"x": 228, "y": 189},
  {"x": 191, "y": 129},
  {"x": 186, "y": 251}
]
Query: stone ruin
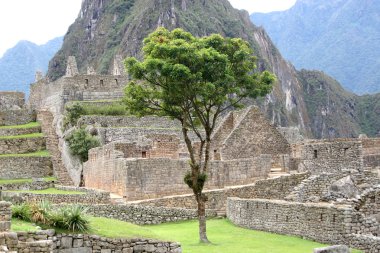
[{"x": 261, "y": 177}]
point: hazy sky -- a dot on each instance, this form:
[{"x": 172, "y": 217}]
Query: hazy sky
[{"x": 41, "y": 20}]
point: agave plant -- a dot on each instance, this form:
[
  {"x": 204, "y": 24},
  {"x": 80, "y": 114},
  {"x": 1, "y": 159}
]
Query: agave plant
[
  {"x": 21, "y": 211},
  {"x": 76, "y": 218},
  {"x": 39, "y": 211}
]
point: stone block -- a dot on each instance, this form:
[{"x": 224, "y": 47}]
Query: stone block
[{"x": 333, "y": 249}]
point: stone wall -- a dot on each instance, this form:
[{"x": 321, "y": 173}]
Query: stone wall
[
  {"x": 11, "y": 100},
  {"x": 19, "y": 131},
  {"x": 148, "y": 178},
  {"x": 78, "y": 88},
  {"x": 16, "y": 117},
  {"x": 88, "y": 197},
  {"x": 46, "y": 119},
  {"x": 317, "y": 221},
  {"x": 5, "y": 216},
  {"x": 323, "y": 222},
  {"x": 37, "y": 185},
  {"x": 48, "y": 241},
  {"x": 22, "y": 145},
  {"x": 334, "y": 156},
  {"x": 253, "y": 136},
  {"x": 313, "y": 188},
  {"x": 25, "y": 167},
  {"x": 143, "y": 215},
  {"x": 129, "y": 121},
  {"x": 275, "y": 188}
]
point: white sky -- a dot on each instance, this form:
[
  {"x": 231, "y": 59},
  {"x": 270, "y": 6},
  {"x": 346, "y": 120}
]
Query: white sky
[{"x": 42, "y": 20}]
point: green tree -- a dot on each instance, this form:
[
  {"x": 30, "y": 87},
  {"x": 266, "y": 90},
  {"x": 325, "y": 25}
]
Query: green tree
[{"x": 194, "y": 80}]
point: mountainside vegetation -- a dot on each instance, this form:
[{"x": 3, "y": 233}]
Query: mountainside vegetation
[
  {"x": 105, "y": 29},
  {"x": 340, "y": 37},
  {"x": 19, "y": 64}
]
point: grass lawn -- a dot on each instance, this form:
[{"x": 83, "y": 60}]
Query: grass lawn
[
  {"x": 50, "y": 191},
  {"x": 23, "y": 180},
  {"x": 225, "y": 236},
  {"x": 19, "y": 225},
  {"x": 42, "y": 153},
  {"x": 23, "y": 136},
  {"x": 29, "y": 125}
]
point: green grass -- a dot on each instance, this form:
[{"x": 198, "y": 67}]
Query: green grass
[
  {"x": 19, "y": 225},
  {"x": 51, "y": 191},
  {"x": 42, "y": 153},
  {"x": 225, "y": 236},
  {"x": 29, "y": 125},
  {"x": 23, "y": 136},
  {"x": 23, "y": 180}
]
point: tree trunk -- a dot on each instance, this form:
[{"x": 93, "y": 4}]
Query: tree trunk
[{"x": 201, "y": 200}]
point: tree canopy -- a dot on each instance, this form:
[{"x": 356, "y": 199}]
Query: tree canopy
[{"x": 194, "y": 80}]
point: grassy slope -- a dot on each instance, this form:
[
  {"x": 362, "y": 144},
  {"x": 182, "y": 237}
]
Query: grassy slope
[
  {"x": 51, "y": 191},
  {"x": 23, "y": 180},
  {"x": 225, "y": 237},
  {"x": 23, "y": 136},
  {"x": 29, "y": 125},
  {"x": 42, "y": 153}
]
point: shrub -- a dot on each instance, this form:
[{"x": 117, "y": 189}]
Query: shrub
[
  {"x": 21, "y": 211},
  {"x": 39, "y": 211},
  {"x": 80, "y": 142},
  {"x": 76, "y": 218},
  {"x": 73, "y": 113}
]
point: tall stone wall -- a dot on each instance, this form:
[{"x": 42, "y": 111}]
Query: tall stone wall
[
  {"x": 129, "y": 121},
  {"x": 16, "y": 117},
  {"x": 253, "y": 136},
  {"x": 107, "y": 169},
  {"x": 25, "y": 167},
  {"x": 46, "y": 120},
  {"x": 11, "y": 100},
  {"x": 22, "y": 145},
  {"x": 332, "y": 156}
]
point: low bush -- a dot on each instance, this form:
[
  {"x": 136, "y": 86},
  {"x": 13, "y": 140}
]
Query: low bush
[
  {"x": 80, "y": 142},
  {"x": 71, "y": 217},
  {"x": 21, "y": 211}
]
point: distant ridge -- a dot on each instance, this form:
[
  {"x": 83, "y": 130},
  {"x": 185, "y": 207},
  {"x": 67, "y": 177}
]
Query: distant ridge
[
  {"x": 20, "y": 63},
  {"x": 340, "y": 37}
]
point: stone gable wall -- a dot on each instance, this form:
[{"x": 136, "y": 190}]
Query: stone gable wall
[
  {"x": 254, "y": 136},
  {"x": 332, "y": 156},
  {"x": 22, "y": 145},
  {"x": 25, "y": 167}
]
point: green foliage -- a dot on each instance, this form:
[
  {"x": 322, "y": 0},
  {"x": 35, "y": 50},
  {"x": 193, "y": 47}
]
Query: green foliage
[
  {"x": 202, "y": 178},
  {"x": 80, "y": 142},
  {"x": 21, "y": 211},
  {"x": 39, "y": 211},
  {"x": 73, "y": 113},
  {"x": 71, "y": 217}
]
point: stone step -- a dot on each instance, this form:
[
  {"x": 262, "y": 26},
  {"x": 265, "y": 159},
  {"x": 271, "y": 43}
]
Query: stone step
[
  {"x": 277, "y": 169},
  {"x": 22, "y": 144},
  {"x": 117, "y": 199},
  {"x": 221, "y": 213},
  {"x": 277, "y": 174}
]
